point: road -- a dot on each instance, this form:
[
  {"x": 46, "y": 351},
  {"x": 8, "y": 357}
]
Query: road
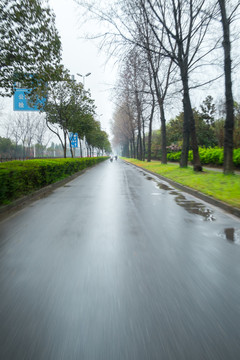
[{"x": 119, "y": 265}]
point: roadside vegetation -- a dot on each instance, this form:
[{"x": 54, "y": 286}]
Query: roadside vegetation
[
  {"x": 208, "y": 156},
  {"x": 217, "y": 185},
  {"x": 20, "y": 178},
  {"x": 169, "y": 54},
  {"x": 31, "y": 61}
]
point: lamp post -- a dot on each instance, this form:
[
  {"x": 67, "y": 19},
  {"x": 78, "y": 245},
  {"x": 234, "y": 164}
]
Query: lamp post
[{"x": 83, "y": 76}]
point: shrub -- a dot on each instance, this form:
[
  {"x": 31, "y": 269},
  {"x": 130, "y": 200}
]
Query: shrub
[
  {"x": 236, "y": 157},
  {"x": 19, "y": 178},
  {"x": 208, "y": 156}
]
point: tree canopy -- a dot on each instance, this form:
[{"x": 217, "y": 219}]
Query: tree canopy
[
  {"x": 70, "y": 108},
  {"x": 29, "y": 43}
]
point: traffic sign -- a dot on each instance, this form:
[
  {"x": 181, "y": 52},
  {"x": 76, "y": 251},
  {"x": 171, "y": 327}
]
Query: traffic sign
[
  {"x": 20, "y": 101},
  {"x": 73, "y": 140}
]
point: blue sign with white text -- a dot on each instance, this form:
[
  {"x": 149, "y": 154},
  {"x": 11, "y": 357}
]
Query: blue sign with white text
[
  {"x": 20, "y": 101},
  {"x": 73, "y": 140}
]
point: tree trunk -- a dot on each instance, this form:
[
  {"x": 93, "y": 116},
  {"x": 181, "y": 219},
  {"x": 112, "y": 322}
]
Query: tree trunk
[
  {"x": 229, "y": 123},
  {"x": 163, "y": 134},
  {"x": 126, "y": 149},
  {"x": 134, "y": 146},
  {"x": 139, "y": 140},
  {"x": 80, "y": 147},
  {"x": 150, "y": 134},
  {"x": 131, "y": 149},
  {"x": 186, "y": 131},
  {"x": 188, "y": 128},
  {"x": 143, "y": 141},
  {"x": 196, "y": 158},
  {"x": 65, "y": 144}
]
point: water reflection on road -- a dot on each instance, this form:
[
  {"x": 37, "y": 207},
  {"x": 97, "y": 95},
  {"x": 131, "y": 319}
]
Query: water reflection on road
[{"x": 120, "y": 266}]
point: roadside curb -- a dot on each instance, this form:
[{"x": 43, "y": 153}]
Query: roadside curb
[
  {"x": 218, "y": 203},
  {"x": 18, "y": 204}
]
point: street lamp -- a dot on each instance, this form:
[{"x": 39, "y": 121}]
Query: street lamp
[{"x": 83, "y": 76}]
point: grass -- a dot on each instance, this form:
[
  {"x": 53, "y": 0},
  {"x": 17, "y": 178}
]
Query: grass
[{"x": 215, "y": 184}]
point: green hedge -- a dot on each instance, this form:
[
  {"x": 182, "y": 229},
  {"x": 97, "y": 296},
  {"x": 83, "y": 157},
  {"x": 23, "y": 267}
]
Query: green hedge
[
  {"x": 211, "y": 156},
  {"x": 19, "y": 178}
]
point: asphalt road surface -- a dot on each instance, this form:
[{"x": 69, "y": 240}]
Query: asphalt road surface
[{"x": 119, "y": 265}]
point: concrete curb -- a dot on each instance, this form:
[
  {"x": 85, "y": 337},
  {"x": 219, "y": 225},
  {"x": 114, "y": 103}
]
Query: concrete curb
[
  {"x": 218, "y": 203},
  {"x": 18, "y": 204}
]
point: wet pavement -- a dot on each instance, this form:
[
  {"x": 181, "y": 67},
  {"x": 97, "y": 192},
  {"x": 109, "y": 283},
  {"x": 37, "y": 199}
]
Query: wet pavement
[{"x": 117, "y": 264}]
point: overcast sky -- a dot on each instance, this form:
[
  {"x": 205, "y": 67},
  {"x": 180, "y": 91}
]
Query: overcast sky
[{"x": 82, "y": 56}]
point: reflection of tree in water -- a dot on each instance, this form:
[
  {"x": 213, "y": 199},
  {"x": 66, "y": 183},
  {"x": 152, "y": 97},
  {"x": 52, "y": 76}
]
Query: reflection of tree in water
[{"x": 229, "y": 232}]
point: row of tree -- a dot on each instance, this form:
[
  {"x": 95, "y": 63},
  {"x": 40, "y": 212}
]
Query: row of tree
[
  {"x": 70, "y": 109},
  {"x": 209, "y": 129},
  {"x": 22, "y": 131},
  {"x": 166, "y": 43},
  {"x": 30, "y": 57},
  {"x": 9, "y": 150}
]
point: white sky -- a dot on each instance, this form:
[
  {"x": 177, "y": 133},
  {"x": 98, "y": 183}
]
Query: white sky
[{"x": 82, "y": 56}]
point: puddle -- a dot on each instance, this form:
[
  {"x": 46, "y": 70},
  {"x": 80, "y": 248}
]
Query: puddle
[
  {"x": 229, "y": 233},
  {"x": 163, "y": 186},
  {"x": 174, "y": 192},
  {"x": 191, "y": 206},
  {"x": 196, "y": 208},
  {"x": 67, "y": 186},
  {"x": 232, "y": 235}
]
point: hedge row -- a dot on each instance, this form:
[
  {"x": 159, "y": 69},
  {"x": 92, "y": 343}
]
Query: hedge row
[
  {"x": 211, "y": 156},
  {"x": 19, "y": 178}
]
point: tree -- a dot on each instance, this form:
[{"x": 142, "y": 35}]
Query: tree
[
  {"x": 160, "y": 69},
  {"x": 29, "y": 43},
  {"x": 236, "y": 135},
  {"x": 208, "y": 110},
  {"x": 185, "y": 25},
  {"x": 123, "y": 129},
  {"x": 229, "y": 123},
  {"x": 67, "y": 103},
  {"x": 219, "y": 132},
  {"x": 6, "y": 147},
  {"x": 205, "y": 132},
  {"x": 22, "y": 130},
  {"x": 96, "y": 138}
]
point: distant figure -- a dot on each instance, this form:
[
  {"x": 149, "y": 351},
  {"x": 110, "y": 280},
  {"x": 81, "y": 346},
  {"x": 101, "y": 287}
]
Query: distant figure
[
  {"x": 111, "y": 159},
  {"x": 115, "y": 157}
]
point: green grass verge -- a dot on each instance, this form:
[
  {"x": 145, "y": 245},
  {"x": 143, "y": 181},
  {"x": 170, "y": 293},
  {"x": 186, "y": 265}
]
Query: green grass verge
[{"x": 217, "y": 185}]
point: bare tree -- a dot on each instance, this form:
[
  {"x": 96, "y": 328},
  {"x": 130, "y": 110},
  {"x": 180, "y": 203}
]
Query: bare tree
[
  {"x": 132, "y": 35},
  {"x": 22, "y": 130},
  {"x": 42, "y": 136},
  {"x": 185, "y": 25},
  {"x": 124, "y": 125}
]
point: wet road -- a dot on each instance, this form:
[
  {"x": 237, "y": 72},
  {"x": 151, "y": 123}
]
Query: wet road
[{"x": 118, "y": 265}]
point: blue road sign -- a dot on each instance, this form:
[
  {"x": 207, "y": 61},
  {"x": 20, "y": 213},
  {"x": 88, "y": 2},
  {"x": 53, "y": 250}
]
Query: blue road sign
[
  {"x": 20, "y": 101},
  {"x": 73, "y": 140}
]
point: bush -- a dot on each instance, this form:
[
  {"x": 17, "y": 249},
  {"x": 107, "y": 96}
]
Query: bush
[
  {"x": 208, "y": 156},
  {"x": 19, "y": 178},
  {"x": 236, "y": 157}
]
